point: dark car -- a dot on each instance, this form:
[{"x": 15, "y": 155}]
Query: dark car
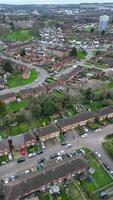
[
  {"x": 39, "y": 152},
  {"x": 54, "y": 155},
  {"x": 63, "y": 143},
  {"x": 21, "y": 160},
  {"x": 41, "y": 160},
  {"x": 106, "y": 166}
]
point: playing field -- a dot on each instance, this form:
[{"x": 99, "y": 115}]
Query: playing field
[{"x": 20, "y": 35}]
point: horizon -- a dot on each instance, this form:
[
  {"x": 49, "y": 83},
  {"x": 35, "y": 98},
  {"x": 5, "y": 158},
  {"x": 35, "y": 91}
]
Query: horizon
[{"x": 51, "y": 2}]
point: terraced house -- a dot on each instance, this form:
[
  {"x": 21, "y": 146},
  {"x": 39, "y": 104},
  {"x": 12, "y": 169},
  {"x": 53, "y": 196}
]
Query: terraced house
[{"x": 38, "y": 182}]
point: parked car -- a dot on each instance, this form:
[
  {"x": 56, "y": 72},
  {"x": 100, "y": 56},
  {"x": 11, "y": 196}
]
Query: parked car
[
  {"x": 98, "y": 155},
  {"x": 82, "y": 151},
  {"x": 21, "y": 160},
  {"x": 69, "y": 154},
  {"x": 106, "y": 166},
  {"x": 98, "y": 130},
  {"x": 84, "y": 135},
  {"x": 3, "y": 163},
  {"x": 63, "y": 143},
  {"x": 68, "y": 146},
  {"x": 27, "y": 172},
  {"x": 41, "y": 160},
  {"x": 103, "y": 195},
  {"x": 62, "y": 152},
  {"x": 59, "y": 158},
  {"x": 39, "y": 152},
  {"x": 12, "y": 178},
  {"x": 6, "y": 180},
  {"x": 10, "y": 157},
  {"x": 31, "y": 155},
  {"x": 43, "y": 145},
  {"x": 85, "y": 128},
  {"x": 54, "y": 155}
]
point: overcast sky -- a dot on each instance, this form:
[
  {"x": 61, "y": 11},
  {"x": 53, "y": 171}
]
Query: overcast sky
[{"x": 52, "y": 1}]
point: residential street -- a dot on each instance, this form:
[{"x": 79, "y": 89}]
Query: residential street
[
  {"x": 43, "y": 74},
  {"x": 92, "y": 141}
]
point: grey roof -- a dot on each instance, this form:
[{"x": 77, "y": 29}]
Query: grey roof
[
  {"x": 105, "y": 111},
  {"x": 18, "y": 140},
  {"x": 4, "y": 146},
  {"x": 20, "y": 188},
  {"x": 47, "y": 130},
  {"x": 76, "y": 119}
]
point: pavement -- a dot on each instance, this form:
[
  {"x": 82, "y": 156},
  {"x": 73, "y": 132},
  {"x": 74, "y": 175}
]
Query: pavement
[{"x": 92, "y": 141}]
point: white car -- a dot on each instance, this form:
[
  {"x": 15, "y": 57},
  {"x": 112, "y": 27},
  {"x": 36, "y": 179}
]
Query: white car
[
  {"x": 98, "y": 155},
  {"x": 12, "y": 178},
  {"x": 59, "y": 158},
  {"x": 31, "y": 155},
  {"x": 62, "y": 152},
  {"x": 10, "y": 157},
  {"x": 68, "y": 146},
  {"x": 43, "y": 145},
  {"x": 82, "y": 150},
  {"x": 85, "y": 129},
  {"x": 27, "y": 172},
  {"x": 98, "y": 130},
  {"x": 6, "y": 180},
  {"x": 3, "y": 163},
  {"x": 84, "y": 135}
]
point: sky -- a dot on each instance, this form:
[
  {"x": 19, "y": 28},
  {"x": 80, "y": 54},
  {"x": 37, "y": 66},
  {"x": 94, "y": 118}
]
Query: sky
[{"x": 52, "y": 1}]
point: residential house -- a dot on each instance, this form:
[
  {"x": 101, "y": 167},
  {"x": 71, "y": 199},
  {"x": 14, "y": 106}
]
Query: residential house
[
  {"x": 39, "y": 181},
  {"x": 48, "y": 132},
  {"x": 105, "y": 113},
  {"x": 75, "y": 121},
  {"x": 4, "y": 147}
]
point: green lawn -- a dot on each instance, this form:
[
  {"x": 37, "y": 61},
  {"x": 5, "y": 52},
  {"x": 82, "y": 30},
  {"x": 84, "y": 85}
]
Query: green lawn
[
  {"x": 87, "y": 29},
  {"x": 93, "y": 125},
  {"x": 20, "y": 128},
  {"x": 108, "y": 145},
  {"x": 35, "y": 149},
  {"x": 4, "y": 158},
  {"x": 57, "y": 94},
  {"x": 16, "y": 80},
  {"x": 73, "y": 191},
  {"x": 16, "y": 106},
  {"x": 46, "y": 197},
  {"x": 20, "y": 35},
  {"x": 95, "y": 105},
  {"x": 100, "y": 177},
  {"x": 81, "y": 54},
  {"x": 50, "y": 80}
]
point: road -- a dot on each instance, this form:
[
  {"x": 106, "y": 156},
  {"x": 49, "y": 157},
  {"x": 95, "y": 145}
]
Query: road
[
  {"x": 92, "y": 141},
  {"x": 43, "y": 74}
]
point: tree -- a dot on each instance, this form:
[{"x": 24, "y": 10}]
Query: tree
[
  {"x": 73, "y": 52},
  {"x": 103, "y": 32},
  {"x": 12, "y": 25},
  {"x": 92, "y": 30},
  {"x": 2, "y": 108},
  {"x": 89, "y": 95},
  {"x": 22, "y": 52},
  {"x": 36, "y": 110},
  {"x": 7, "y": 66},
  {"x": 49, "y": 107}
]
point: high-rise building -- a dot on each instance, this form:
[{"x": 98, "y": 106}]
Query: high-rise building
[{"x": 103, "y": 23}]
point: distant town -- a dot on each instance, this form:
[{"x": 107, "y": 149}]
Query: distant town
[{"x": 56, "y": 102}]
